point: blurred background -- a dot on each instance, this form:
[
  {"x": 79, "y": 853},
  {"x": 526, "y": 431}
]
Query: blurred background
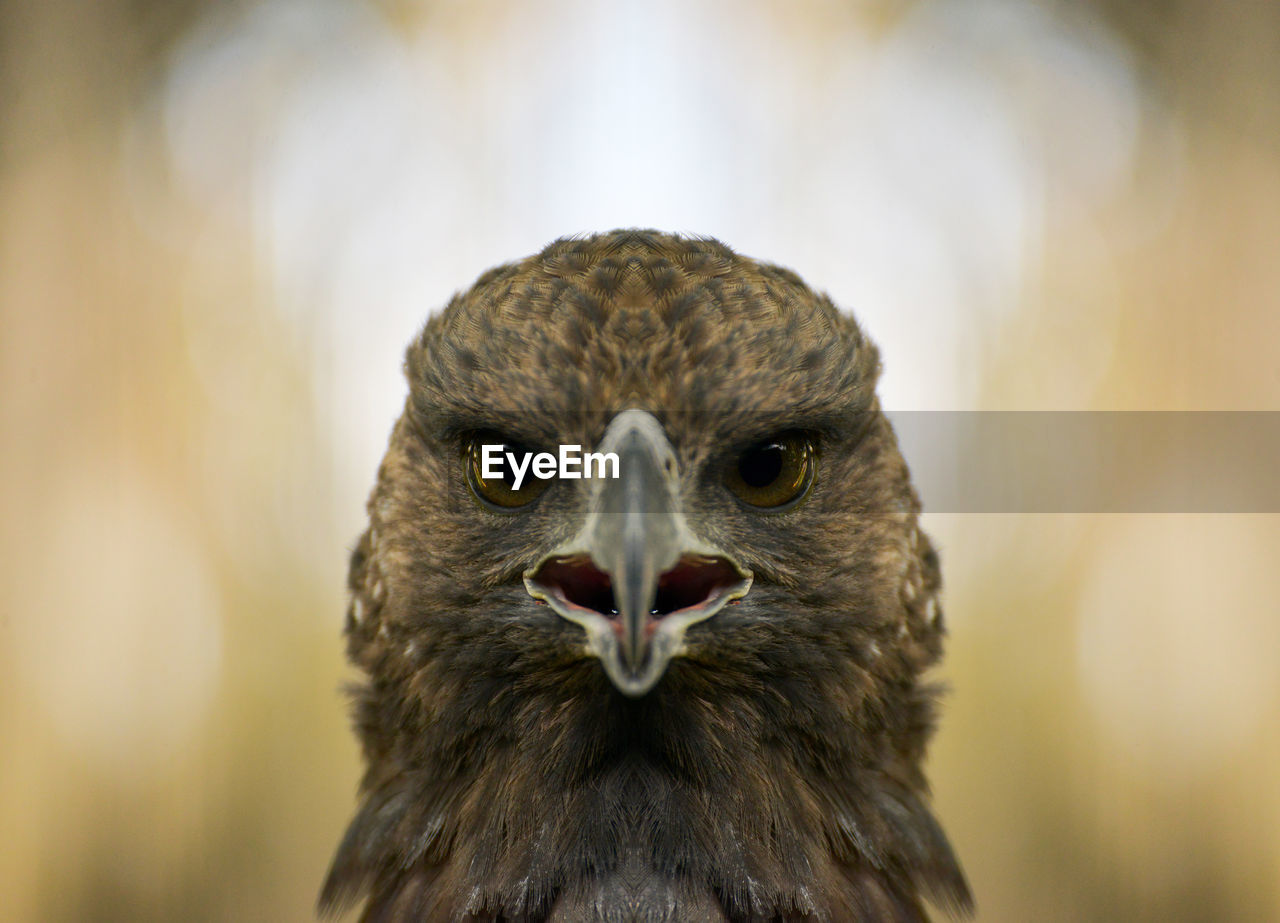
[{"x": 220, "y": 223}]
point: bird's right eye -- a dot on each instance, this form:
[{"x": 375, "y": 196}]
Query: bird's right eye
[
  {"x": 774, "y": 474},
  {"x": 500, "y": 491}
]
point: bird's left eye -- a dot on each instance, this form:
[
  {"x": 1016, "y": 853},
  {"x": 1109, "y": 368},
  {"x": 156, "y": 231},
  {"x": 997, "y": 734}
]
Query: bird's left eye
[
  {"x": 500, "y": 491},
  {"x": 775, "y": 473}
]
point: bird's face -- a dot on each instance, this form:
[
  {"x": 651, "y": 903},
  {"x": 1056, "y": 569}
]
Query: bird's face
[
  {"x": 705, "y": 669},
  {"x": 759, "y": 493}
]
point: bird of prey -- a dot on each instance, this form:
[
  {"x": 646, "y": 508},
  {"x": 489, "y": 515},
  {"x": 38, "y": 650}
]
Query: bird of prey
[{"x": 691, "y": 692}]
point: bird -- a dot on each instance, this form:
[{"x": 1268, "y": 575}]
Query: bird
[{"x": 690, "y": 692}]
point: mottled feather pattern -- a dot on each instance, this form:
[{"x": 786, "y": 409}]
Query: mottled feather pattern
[{"x": 774, "y": 774}]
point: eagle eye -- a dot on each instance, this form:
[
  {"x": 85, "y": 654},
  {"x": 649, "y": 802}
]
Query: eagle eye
[
  {"x": 775, "y": 473},
  {"x": 499, "y": 490}
]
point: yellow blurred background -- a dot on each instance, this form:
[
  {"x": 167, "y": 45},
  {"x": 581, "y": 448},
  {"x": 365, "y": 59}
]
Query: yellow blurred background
[{"x": 221, "y": 222}]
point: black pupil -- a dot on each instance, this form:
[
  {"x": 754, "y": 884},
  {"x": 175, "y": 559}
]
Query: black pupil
[{"x": 761, "y": 466}]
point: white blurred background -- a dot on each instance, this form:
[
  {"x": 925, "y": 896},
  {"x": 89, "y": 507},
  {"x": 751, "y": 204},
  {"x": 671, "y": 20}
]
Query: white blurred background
[{"x": 220, "y": 223}]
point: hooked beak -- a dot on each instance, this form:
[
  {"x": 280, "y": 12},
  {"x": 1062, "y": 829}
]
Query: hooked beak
[{"x": 635, "y": 578}]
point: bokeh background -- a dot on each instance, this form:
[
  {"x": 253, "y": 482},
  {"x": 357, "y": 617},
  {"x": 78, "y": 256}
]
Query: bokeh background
[{"x": 220, "y": 222}]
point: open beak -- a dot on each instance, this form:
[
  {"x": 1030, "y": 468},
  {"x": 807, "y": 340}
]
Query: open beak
[{"x": 635, "y": 578}]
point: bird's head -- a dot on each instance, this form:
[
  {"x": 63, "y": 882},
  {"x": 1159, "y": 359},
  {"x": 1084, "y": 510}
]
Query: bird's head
[
  {"x": 735, "y": 407},
  {"x": 752, "y": 581}
]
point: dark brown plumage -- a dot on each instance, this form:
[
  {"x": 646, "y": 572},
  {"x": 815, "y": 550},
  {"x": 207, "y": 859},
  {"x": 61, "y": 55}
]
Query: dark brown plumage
[{"x": 596, "y": 758}]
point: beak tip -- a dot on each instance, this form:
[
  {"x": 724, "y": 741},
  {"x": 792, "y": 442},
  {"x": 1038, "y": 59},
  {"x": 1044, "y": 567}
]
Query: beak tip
[{"x": 634, "y": 685}]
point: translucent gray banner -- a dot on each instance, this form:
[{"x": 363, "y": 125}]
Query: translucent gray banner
[
  {"x": 1093, "y": 462},
  {"x": 1035, "y": 461}
]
